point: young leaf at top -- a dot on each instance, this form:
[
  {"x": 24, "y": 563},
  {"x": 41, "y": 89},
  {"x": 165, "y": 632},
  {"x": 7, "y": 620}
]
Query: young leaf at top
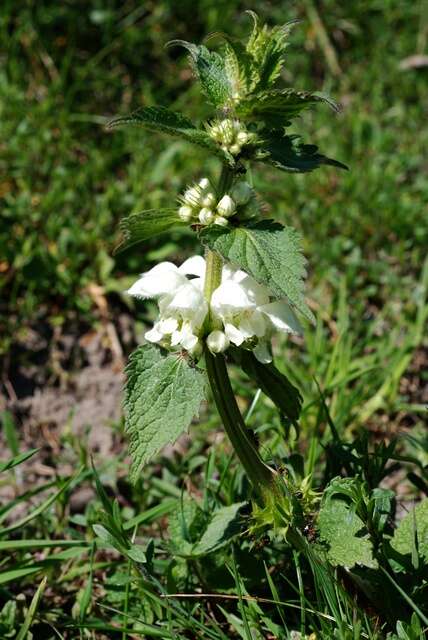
[
  {"x": 210, "y": 69},
  {"x": 267, "y": 48},
  {"x": 163, "y": 120},
  {"x": 290, "y": 154},
  {"x": 272, "y": 382},
  {"x": 270, "y": 253},
  {"x": 162, "y": 396},
  {"x": 141, "y": 226}
]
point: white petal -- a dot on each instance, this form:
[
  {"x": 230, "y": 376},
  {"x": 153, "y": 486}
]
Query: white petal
[
  {"x": 163, "y": 278},
  {"x": 282, "y": 316},
  {"x": 230, "y": 297},
  {"x": 153, "y": 335},
  {"x": 167, "y": 325},
  {"x": 194, "y": 266},
  {"x": 255, "y": 325},
  {"x": 262, "y": 352},
  {"x": 256, "y": 292},
  {"x": 235, "y": 336},
  {"x": 189, "y": 341}
]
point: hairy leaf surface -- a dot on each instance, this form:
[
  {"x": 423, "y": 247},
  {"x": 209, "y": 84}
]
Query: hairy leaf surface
[
  {"x": 270, "y": 253},
  {"x": 163, "y": 120},
  {"x": 276, "y": 107},
  {"x": 163, "y": 394},
  {"x": 141, "y": 226},
  {"x": 290, "y": 154},
  {"x": 210, "y": 69}
]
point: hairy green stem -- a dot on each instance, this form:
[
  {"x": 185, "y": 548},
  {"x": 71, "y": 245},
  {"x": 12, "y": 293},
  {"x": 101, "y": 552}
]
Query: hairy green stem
[{"x": 261, "y": 476}]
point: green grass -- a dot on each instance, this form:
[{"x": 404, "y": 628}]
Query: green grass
[{"x": 65, "y": 183}]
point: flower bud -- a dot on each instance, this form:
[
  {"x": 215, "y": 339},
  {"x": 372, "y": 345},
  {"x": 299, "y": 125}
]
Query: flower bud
[
  {"x": 235, "y": 149},
  {"x": 226, "y": 207},
  {"x": 227, "y": 130},
  {"x": 209, "y": 200},
  {"x": 222, "y": 222},
  {"x": 242, "y": 137},
  {"x": 204, "y": 183},
  {"x": 206, "y": 216},
  {"x": 241, "y": 192},
  {"x": 192, "y": 197},
  {"x": 185, "y": 213},
  {"x": 217, "y": 342}
]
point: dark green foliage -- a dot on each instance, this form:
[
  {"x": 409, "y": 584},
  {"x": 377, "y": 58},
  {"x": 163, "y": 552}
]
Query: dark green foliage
[
  {"x": 272, "y": 382},
  {"x": 161, "y": 119},
  {"x": 288, "y": 153}
]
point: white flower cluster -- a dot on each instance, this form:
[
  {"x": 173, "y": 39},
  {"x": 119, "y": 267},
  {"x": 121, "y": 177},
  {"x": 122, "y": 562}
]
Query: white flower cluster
[
  {"x": 240, "y": 310},
  {"x": 230, "y": 134},
  {"x": 199, "y": 204}
]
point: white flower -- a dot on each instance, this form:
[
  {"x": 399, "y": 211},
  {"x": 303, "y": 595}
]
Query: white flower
[
  {"x": 226, "y": 207},
  {"x": 182, "y": 306},
  {"x": 241, "y": 308}
]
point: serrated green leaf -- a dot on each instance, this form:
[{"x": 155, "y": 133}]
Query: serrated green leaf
[
  {"x": 239, "y": 67},
  {"x": 288, "y": 153},
  {"x": 140, "y": 226},
  {"x": 272, "y": 382},
  {"x": 163, "y": 394},
  {"x": 412, "y": 533},
  {"x": 270, "y": 253},
  {"x": 225, "y": 524},
  {"x": 346, "y": 535},
  {"x": 267, "y": 48},
  {"x": 163, "y": 120},
  {"x": 210, "y": 69},
  {"x": 276, "y": 107}
]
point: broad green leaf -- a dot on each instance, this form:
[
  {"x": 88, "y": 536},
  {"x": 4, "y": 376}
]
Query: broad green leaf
[
  {"x": 225, "y": 524},
  {"x": 412, "y": 533},
  {"x": 269, "y": 252},
  {"x": 346, "y": 535},
  {"x": 163, "y": 120},
  {"x": 288, "y": 153},
  {"x": 272, "y": 382},
  {"x": 210, "y": 69},
  {"x": 276, "y": 107},
  {"x": 186, "y": 525},
  {"x": 163, "y": 394},
  {"x": 140, "y": 226}
]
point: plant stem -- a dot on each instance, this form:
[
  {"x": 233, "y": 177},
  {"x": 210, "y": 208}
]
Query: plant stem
[{"x": 261, "y": 476}]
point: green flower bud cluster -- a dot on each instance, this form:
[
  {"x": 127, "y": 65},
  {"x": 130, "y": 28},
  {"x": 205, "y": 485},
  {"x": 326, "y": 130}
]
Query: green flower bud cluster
[
  {"x": 231, "y": 135},
  {"x": 199, "y": 204}
]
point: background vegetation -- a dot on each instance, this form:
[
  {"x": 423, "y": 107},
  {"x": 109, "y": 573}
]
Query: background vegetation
[{"x": 65, "y": 182}]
